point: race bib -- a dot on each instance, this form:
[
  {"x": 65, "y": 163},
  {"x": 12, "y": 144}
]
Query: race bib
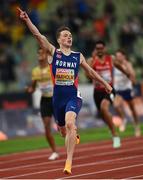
[{"x": 64, "y": 77}]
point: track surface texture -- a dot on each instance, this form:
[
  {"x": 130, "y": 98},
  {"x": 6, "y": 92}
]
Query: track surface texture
[{"x": 96, "y": 160}]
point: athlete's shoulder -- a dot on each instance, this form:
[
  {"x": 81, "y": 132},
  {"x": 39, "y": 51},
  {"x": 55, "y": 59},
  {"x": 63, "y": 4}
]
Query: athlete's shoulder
[
  {"x": 35, "y": 69},
  {"x": 95, "y": 58},
  {"x": 35, "y": 73},
  {"x": 58, "y": 51}
]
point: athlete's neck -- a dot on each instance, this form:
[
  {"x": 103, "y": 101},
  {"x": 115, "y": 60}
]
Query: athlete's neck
[
  {"x": 65, "y": 50},
  {"x": 43, "y": 64},
  {"x": 101, "y": 58}
]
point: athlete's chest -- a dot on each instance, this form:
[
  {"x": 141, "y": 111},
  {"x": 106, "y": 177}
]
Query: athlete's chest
[
  {"x": 67, "y": 62},
  {"x": 65, "y": 69},
  {"x": 44, "y": 75},
  {"x": 102, "y": 65}
]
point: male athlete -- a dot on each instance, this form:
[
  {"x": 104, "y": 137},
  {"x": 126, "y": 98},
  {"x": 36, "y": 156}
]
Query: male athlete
[
  {"x": 41, "y": 77},
  {"x": 66, "y": 98},
  {"x": 103, "y": 64}
]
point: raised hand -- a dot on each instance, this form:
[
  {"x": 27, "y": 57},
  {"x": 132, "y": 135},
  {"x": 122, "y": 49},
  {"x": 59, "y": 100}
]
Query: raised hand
[{"x": 22, "y": 14}]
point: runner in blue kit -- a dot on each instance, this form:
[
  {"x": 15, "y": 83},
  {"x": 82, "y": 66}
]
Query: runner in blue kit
[{"x": 64, "y": 70}]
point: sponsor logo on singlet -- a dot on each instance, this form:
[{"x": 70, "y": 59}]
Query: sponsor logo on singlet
[{"x": 64, "y": 76}]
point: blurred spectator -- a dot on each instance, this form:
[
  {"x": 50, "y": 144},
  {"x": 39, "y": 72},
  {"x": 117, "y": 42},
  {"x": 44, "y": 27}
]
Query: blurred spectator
[
  {"x": 82, "y": 9},
  {"x": 7, "y": 65},
  {"x": 127, "y": 38},
  {"x": 34, "y": 16},
  {"x": 100, "y": 27},
  {"x": 17, "y": 32},
  {"x": 109, "y": 11},
  {"x": 89, "y": 21}
]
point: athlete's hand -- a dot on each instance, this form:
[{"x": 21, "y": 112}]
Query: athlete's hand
[
  {"x": 29, "y": 89},
  {"x": 22, "y": 14},
  {"x": 108, "y": 88}
]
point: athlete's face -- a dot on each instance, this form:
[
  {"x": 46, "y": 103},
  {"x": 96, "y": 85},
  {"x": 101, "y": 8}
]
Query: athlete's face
[
  {"x": 42, "y": 55},
  {"x": 100, "y": 50},
  {"x": 120, "y": 57},
  {"x": 65, "y": 39}
]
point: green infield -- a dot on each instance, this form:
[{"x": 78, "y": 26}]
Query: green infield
[{"x": 22, "y": 144}]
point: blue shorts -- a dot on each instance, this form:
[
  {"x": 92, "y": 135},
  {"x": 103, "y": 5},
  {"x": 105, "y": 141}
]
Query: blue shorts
[
  {"x": 126, "y": 94},
  {"x": 61, "y": 107}
]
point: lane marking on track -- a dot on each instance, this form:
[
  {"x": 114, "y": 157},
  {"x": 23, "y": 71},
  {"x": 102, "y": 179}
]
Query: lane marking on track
[
  {"x": 76, "y": 151},
  {"x": 81, "y": 165},
  {"x": 112, "y": 152},
  {"x": 103, "y": 171},
  {"x": 139, "y": 176},
  {"x": 45, "y": 150}
]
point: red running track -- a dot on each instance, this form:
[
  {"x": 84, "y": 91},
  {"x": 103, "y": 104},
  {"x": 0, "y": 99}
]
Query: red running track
[{"x": 91, "y": 161}]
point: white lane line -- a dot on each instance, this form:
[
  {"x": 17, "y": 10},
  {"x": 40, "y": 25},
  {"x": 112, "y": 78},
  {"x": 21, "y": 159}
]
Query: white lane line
[
  {"x": 112, "y": 152},
  {"x": 103, "y": 171},
  {"x": 138, "y": 176},
  {"x": 79, "y": 166},
  {"x": 63, "y": 153},
  {"x": 46, "y": 150}
]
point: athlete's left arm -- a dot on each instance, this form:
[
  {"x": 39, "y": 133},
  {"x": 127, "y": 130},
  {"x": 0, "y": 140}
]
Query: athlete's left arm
[
  {"x": 125, "y": 67},
  {"x": 121, "y": 66},
  {"x": 93, "y": 75},
  {"x": 132, "y": 73}
]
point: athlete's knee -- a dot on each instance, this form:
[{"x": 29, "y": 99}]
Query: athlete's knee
[
  {"x": 104, "y": 108},
  {"x": 47, "y": 122},
  {"x": 70, "y": 125},
  {"x": 118, "y": 102},
  {"x": 70, "y": 121},
  {"x": 117, "y": 106},
  {"x": 47, "y": 126}
]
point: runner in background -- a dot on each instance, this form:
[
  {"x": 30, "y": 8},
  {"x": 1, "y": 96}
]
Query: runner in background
[
  {"x": 125, "y": 92},
  {"x": 103, "y": 64},
  {"x": 41, "y": 78}
]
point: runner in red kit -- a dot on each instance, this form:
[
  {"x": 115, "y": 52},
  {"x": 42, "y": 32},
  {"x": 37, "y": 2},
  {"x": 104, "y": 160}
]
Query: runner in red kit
[{"x": 103, "y": 64}]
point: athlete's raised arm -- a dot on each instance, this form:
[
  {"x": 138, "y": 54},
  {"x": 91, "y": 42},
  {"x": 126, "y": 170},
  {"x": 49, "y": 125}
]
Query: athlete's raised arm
[
  {"x": 44, "y": 43},
  {"x": 93, "y": 75},
  {"x": 125, "y": 67}
]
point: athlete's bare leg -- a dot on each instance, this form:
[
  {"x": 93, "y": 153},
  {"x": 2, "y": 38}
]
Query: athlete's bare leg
[
  {"x": 134, "y": 111},
  {"x": 135, "y": 117},
  {"x": 119, "y": 105},
  {"x": 48, "y": 133},
  {"x": 107, "y": 116},
  {"x": 70, "y": 140}
]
